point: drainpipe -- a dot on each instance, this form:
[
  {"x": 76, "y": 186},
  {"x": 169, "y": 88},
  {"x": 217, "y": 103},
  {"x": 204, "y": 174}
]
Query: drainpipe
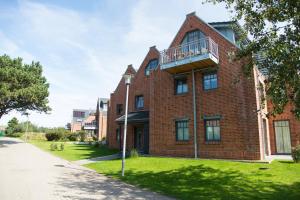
[{"x": 195, "y": 115}]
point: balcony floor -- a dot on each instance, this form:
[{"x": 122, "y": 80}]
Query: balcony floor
[{"x": 189, "y": 63}]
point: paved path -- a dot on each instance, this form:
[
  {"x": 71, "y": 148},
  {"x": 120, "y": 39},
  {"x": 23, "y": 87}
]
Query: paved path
[{"x": 29, "y": 173}]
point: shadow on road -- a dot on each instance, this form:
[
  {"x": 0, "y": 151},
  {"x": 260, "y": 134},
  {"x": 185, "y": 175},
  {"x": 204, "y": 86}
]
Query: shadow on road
[
  {"x": 94, "y": 186},
  {"x": 4, "y": 142}
]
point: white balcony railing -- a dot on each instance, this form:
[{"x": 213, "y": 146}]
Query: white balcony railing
[{"x": 195, "y": 48}]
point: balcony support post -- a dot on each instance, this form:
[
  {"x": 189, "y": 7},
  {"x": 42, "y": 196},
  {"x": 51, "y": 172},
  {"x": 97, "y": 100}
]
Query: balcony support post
[{"x": 195, "y": 115}]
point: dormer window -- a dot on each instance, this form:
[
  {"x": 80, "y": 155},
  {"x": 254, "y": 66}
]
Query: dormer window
[
  {"x": 151, "y": 66},
  {"x": 192, "y": 36}
]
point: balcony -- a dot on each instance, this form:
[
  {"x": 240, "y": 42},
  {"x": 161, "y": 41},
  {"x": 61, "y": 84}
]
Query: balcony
[
  {"x": 197, "y": 54},
  {"x": 89, "y": 126}
]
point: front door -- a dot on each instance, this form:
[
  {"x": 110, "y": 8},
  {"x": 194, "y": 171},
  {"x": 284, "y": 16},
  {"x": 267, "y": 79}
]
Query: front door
[
  {"x": 139, "y": 138},
  {"x": 283, "y": 137}
]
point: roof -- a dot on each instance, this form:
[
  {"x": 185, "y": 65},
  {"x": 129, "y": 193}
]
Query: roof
[
  {"x": 104, "y": 100},
  {"x": 135, "y": 117},
  {"x": 221, "y": 24}
]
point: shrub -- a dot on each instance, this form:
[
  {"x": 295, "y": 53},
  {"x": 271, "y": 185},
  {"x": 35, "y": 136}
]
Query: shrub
[
  {"x": 296, "y": 154},
  {"x": 97, "y": 144},
  {"x": 72, "y": 136},
  {"x": 53, "y": 147},
  {"x": 53, "y": 136},
  {"x": 95, "y": 139},
  {"x": 62, "y": 146},
  {"x": 134, "y": 153},
  {"x": 82, "y": 136}
]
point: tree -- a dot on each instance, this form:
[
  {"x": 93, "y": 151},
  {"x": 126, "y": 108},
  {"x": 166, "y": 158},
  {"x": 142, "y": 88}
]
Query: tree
[
  {"x": 22, "y": 86},
  {"x": 274, "y": 27},
  {"x": 11, "y": 126}
]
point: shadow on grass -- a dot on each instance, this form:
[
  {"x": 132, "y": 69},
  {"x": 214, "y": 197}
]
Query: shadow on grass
[
  {"x": 90, "y": 151},
  {"x": 200, "y": 182}
]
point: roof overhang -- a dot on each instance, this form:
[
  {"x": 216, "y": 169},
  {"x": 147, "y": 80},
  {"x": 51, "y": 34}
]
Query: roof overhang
[{"x": 134, "y": 117}]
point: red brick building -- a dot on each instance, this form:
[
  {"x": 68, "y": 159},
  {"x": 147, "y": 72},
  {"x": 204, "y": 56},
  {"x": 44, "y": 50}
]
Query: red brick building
[{"x": 191, "y": 100}]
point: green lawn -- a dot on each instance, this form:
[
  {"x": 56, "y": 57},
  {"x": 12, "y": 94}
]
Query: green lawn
[
  {"x": 208, "y": 179},
  {"x": 75, "y": 151}
]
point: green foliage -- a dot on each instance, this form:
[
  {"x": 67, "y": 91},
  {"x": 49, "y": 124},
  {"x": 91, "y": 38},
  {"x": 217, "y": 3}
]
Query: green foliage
[
  {"x": 16, "y": 134},
  {"x": 274, "y": 27},
  {"x": 134, "y": 153},
  {"x": 56, "y": 134},
  {"x": 296, "y": 154},
  {"x": 62, "y": 146},
  {"x": 72, "y": 136},
  {"x": 195, "y": 179},
  {"x": 82, "y": 135},
  {"x": 53, "y": 147},
  {"x": 97, "y": 144},
  {"x": 23, "y": 87},
  {"x": 12, "y": 127},
  {"x": 73, "y": 151}
]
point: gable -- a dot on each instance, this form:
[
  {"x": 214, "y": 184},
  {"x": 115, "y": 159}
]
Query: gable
[
  {"x": 152, "y": 54},
  {"x": 192, "y": 23}
]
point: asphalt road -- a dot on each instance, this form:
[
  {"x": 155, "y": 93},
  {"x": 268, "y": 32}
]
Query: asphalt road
[{"x": 28, "y": 173}]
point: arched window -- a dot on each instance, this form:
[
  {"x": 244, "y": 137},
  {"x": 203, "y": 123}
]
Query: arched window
[
  {"x": 192, "y": 36},
  {"x": 151, "y": 66},
  {"x": 193, "y": 43}
]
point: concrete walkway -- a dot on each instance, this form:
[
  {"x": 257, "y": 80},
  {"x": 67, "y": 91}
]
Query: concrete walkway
[
  {"x": 97, "y": 159},
  {"x": 28, "y": 173}
]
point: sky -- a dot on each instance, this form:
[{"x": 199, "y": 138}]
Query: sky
[{"x": 85, "y": 46}]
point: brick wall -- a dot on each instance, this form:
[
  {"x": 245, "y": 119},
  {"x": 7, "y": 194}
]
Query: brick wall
[
  {"x": 139, "y": 86},
  {"x": 235, "y": 102},
  {"x": 294, "y": 126}
]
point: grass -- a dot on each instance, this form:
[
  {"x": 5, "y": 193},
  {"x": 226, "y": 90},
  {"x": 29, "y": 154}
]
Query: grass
[
  {"x": 208, "y": 179},
  {"x": 74, "y": 152}
]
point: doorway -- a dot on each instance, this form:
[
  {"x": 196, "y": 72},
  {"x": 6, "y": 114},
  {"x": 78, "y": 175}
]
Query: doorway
[{"x": 283, "y": 137}]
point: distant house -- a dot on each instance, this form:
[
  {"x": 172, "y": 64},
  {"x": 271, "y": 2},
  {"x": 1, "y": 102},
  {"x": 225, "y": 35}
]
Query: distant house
[
  {"x": 190, "y": 100},
  {"x": 94, "y": 122}
]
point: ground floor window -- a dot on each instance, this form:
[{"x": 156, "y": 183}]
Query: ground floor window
[
  {"x": 212, "y": 130},
  {"x": 182, "y": 130}
]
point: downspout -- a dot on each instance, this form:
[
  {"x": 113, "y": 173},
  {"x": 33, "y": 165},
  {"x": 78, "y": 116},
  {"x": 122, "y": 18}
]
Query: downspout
[{"x": 195, "y": 115}]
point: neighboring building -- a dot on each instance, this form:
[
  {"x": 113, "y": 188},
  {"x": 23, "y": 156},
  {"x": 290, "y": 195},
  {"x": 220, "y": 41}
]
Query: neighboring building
[
  {"x": 78, "y": 118},
  {"x": 94, "y": 122},
  {"x": 101, "y": 118},
  {"x": 190, "y": 100}
]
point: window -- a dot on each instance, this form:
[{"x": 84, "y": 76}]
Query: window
[
  {"x": 192, "y": 36},
  {"x": 182, "y": 130},
  {"x": 118, "y": 135},
  {"x": 119, "y": 108},
  {"x": 212, "y": 130},
  {"x": 139, "y": 102},
  {"x": 210, "y": 81},
  {"x": 78, "y": 114},
  {"x": 151, "y": 65},
  {"x": 181, "y": 86}
]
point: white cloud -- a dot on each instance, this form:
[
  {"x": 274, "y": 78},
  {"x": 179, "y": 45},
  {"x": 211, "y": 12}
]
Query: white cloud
[{"x": 85, "y": 53}]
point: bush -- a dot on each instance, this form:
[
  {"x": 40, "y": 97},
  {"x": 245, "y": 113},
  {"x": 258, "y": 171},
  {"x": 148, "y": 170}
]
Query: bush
[
  {"x": 296, "y": 154},
  {"x": 134, "y": 153},
  {"x": 56, "y": 134},
  {"x": 82, "y": 136},
  {"x": 72, "y": 136},
  {"x": 62, "y": 146},
  {"x": 53, "y": 136},
  {"x": 97, "y": 144},
  {"x": 17, "y": 134},
  {"x": 53, "y": 147}
]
